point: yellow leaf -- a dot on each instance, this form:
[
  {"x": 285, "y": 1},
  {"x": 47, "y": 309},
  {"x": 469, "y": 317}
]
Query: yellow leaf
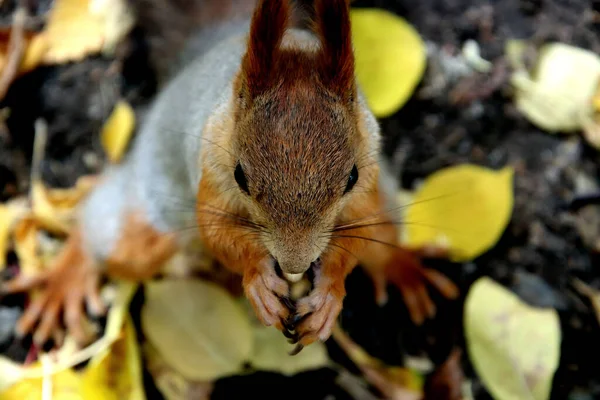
[
  {"x": 390, "y": 58},
  {"x": 117, "y": 131},
  {"x": 9, "y": 214},
  {"x": 116, "y": 374},
  {"x": 36, "y": 48},
  {"x": 171, "y": 384},
  {"x": 10, "y": 373},
  {"x": 558, "y": 96},
  {"x": 464, "y": 208},
  {"x": 77, "y": 28},
  {"x": 55, "y": 209},
  {"x": 271, "y": 353},
  {"x": 26, "y": 246},
  {"x": 65, "y": 385},
  {"x": 515, "y": 348},
  {"x": 197, "y": 328}
]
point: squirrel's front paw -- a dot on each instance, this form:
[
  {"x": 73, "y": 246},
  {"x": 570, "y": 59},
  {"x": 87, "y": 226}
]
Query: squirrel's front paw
[
  {"x": 266, "y": 292},
  {"x": 317, "y": 313},
  {"x": 66, "y": 288}
]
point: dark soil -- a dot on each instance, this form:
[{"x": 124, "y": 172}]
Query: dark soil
[{"x": 542, "y": 250}]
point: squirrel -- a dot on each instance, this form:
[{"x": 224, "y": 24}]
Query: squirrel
[{"x": 269, "y": 136}]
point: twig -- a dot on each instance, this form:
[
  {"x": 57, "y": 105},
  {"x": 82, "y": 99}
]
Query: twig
[
  {"x": 16, "y": 49},
  {"x": 39, "y": 148}
]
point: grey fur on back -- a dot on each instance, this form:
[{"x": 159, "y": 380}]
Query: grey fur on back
[{"x": 159, "y": 178}]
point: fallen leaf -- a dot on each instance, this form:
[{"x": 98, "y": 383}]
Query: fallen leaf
[
  {"x": 117, "y": 131},
  {"x": 464, "y": 208},
  {"x": 514, "y": 348},
  {"x": 78, "y": 28},
  {"x": 395, "y": 383},
  {"x": 26, "y": 246},
  {"x": 271, "y": 353},
  {"x": 558, "y": 96},
  {"x": 35, "y": 47},
  {"x": 55, "y": 209},
  {"x": 10, "y": 373},
  {"x": 172, "y": 385},
  {"x": 9, "y": 214},
  {"x": 65, "y": 385},
  {"x": 390, "y": 58},
  {"x": 116, "y": 374},
  {"x": 197, "y": 327}
]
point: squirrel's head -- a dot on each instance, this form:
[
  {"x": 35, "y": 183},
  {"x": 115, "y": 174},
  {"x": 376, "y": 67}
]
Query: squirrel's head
[{"x": 297, "y": 140}]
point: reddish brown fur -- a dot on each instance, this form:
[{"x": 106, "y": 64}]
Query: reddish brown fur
[
  {"x": 296, "y": 130},
  {"x": 269, "y": 22},
  {"x": 336, "y": 58}
]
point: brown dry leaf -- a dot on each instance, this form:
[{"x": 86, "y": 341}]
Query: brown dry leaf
[
  {"x": 77, "y": 28},
  {"x": 395, "y": 383},
  {"x": 117, "y": 131},
  {"x": 55, "y": 209}
]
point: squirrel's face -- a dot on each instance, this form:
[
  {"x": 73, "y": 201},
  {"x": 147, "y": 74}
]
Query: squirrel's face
[
  {"x": 296, "y": 165},
  {"x": 296, "y": 141}
]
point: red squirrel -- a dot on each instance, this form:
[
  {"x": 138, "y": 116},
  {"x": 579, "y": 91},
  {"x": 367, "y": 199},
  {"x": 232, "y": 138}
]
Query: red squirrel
[{"x": 268, "y": 134}]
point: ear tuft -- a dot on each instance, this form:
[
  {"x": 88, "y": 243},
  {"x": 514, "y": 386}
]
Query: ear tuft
[
  {"x": 336, "y": 57},
  {"x": 269, "y": 22}
]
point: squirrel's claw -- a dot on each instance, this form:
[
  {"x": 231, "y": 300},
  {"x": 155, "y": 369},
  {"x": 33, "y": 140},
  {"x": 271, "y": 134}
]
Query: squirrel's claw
[
  {"x": 408, "y": 274},
  {"x": 266, "y": 292},
  {"x": 66, "y": 288},
  {"x": 317, "y": 313}
]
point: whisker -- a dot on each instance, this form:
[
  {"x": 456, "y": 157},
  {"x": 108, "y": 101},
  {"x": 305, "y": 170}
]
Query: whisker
[
  {"x": 337, "y": 246},
  {"x": 367, "y": 239},
  {"x": 362, "y": 219}
]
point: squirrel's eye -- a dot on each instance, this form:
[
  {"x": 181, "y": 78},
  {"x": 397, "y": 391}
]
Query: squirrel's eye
[
  {"x": 240, "y": 178},
  {"x": 352, "y": 179}
]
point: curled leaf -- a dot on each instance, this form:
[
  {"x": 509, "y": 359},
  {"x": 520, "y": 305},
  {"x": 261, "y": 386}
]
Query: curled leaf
[
  {"x": 464, "y": 208},
  {"x": 515, "y": 348},
  {"x": 558, "y": 95},
  {"x": 117, "y": 131},
  {"x": 55, "y": 209},
  {"x": 197, "y": 327},
  {"x": 390, "y": 58},
  {"x": 27, "y": 246}
]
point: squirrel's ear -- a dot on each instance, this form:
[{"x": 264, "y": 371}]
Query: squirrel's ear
[
  {"x": 268, "y": 25},
  {"x": 332, "y": 19}
]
